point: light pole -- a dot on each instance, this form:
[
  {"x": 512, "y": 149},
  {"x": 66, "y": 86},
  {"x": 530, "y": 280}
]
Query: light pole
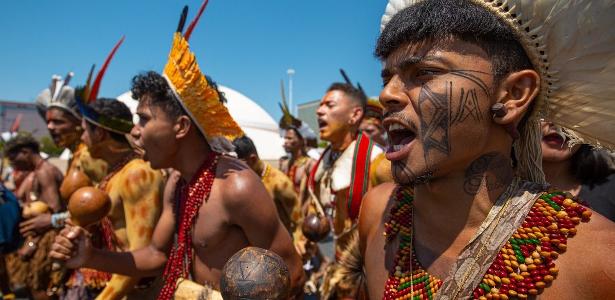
[{"x": 290, "y": 73}]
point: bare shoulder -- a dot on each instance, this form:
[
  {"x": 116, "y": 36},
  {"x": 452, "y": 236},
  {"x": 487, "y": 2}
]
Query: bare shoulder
[
  {"x": 238, "y": 182},
  {"x": 597, "y": 235},
  {"x": 138, "y": 170},
  {"x": 373, "y": 209},
  {"x": 588, "y": 258},
  {"x": 49, "y": 171},
  {"x": 375, "y": 203},
  {"x": 137, "y": 179}
]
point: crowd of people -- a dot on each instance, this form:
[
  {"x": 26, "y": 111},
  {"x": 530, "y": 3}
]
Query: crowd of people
[{"x": 483, "y": 171}]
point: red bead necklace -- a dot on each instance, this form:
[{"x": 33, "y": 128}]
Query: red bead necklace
[
  {"x": 191, "y": 197},
  {"x": 522, "y": 268}
]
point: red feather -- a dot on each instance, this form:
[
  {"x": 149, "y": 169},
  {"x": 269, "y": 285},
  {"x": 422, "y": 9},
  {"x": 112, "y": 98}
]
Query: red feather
[
  {"x": 196, "y": 20},
  {"x": 101, "y": 73},
  {"x": 16, "y": 123}
]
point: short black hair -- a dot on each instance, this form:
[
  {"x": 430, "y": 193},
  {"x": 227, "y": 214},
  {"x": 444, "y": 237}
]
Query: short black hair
[
  {"x": 244, "y": 146},
  {"x": 158, "y": 91},
  {"x": 296, "y": 131},
  {"x": 355, "y": 94},
  {"x": 591, "y": 166},
  {"x": 154, "y": 86},
  {"x": 441, "y": 20},
  {"x": 21, "y": 140},
  {"x": 112, "y": 108}
]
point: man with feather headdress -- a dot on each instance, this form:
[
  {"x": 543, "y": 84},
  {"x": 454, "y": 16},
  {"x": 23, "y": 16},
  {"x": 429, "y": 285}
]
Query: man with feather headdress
[
  {"x": 469, "y": 214},
  {"x": 213, "y": 205}
]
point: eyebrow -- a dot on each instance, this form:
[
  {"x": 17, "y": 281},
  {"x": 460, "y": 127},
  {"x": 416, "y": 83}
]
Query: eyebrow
[{"x": 410, "y": 61}]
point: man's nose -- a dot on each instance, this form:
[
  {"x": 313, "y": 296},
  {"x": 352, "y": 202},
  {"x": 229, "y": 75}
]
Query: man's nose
[
  {"x": 393, "y": 96},
  {"x": 135, "y": 132}
]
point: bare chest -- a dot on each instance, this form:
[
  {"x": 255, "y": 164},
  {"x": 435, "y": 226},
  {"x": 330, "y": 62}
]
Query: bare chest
[{"x": 214, "y": 240}]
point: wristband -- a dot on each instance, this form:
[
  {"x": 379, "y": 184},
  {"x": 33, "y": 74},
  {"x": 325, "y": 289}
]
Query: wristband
[{"x": 57, "y": 219}]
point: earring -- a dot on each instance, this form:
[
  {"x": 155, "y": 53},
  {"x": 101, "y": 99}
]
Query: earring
[{"x": 499, "y": 111}]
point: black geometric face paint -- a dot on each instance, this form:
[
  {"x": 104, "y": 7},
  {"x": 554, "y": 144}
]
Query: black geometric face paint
[
  {"x": 433, "y": 109},
  {"x": 467, "y": 107}
]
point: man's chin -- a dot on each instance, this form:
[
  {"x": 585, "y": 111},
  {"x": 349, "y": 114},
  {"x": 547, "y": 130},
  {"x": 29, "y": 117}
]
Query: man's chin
[
  {"x": 58, "y": 142},
  {"x": 325, "y": 136},
  {"x": 403, "y": 174}
]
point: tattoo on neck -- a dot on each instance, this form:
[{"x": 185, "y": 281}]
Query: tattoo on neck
[
  {"x": 493, "y": 168},
  {"x": 404, "y": 176}
]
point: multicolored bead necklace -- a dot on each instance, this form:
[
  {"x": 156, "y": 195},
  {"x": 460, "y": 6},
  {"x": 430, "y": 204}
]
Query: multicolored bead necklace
[
  {"x": 522, "y": 268},
  {"x": 192, "y": 196},
  {"x": 410, "y": 280}
]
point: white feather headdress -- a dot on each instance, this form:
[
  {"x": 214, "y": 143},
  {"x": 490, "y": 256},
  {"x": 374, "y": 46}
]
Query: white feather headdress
[
  {"x": 571, "y": 43},
  {"x": 60, "y": 95}
]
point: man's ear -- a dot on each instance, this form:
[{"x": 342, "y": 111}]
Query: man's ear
[
  {"x": 99, "y": 135},
  {"x": 517, "y": 92},
  {"x": 182, "y": 126},
  {"x": 252, "y": 158},
  {"x": 357, "y": 115}
]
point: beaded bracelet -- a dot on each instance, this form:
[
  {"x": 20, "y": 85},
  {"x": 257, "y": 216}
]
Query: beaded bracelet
[{"x": 57, "y": 219}]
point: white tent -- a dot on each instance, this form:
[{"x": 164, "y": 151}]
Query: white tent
[{"x": 253, "y": 119}]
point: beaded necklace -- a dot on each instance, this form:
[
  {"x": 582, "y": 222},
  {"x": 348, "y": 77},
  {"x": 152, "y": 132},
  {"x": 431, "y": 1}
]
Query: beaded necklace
[
  {"x": 522, "y": 268},
  {"x": 292, "y": 171},
  {"x": 191, "y": 197}
]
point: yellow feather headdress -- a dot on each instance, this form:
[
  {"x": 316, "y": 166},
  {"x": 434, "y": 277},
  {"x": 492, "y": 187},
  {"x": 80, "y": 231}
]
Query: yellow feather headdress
[{"x": 198, "y": 97}]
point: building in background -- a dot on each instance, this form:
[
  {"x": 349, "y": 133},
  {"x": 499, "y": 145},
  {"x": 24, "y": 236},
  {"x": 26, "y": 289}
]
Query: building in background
[
  {"x": 31, "y": 121},
  {"x": 307, "y": 113}
]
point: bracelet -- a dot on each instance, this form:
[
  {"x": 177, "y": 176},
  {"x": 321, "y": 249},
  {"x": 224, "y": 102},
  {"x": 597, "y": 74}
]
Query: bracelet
[{"x": 57, "y": 219}]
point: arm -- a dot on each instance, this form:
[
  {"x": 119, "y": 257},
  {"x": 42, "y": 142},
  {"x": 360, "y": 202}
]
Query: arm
[
  {"x": 141, "y": 211},
  {"x": 285, "y": 193},
  {"x": 49, "y": 188},
  {"x": 254, "y": 211},
  {"x": 147, "y": 261}
]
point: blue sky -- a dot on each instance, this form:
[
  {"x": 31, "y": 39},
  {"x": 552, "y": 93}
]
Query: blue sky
[{"x": 245, "y": 44}]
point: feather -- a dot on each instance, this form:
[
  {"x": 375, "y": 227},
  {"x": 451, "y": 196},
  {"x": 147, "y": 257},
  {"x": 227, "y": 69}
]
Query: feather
[
  {"x": 16, "y": 123},
  {"x": 53, "y": 86},
  {"x": 64, "y": 83},
  {"x": 283, "y": 92},
  {"x": 182, "y": 19},
  {"x": 101, "y": 73},
  {"x": 86, "y": 89},
  {"x": 361, "y": 89},
  {"x": 346, "y": 77},
  {"x": 67, "y": 79},
  {"x": 195, "y": 21}
]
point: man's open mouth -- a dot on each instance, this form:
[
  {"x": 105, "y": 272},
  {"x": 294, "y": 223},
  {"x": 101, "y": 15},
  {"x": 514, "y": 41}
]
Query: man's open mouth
[
  {"x": 554, "y": 139},
  {"x": 400, "y": 138},
  {"x": 322, "y": 124}
]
